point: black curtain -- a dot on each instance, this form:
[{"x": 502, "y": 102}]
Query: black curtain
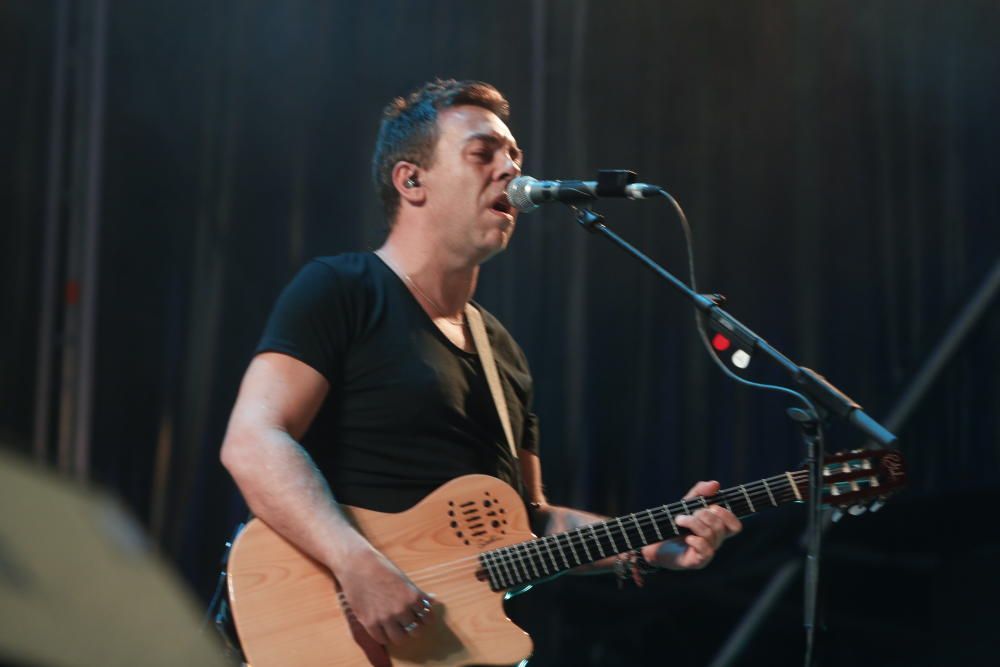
[{"x": 839, "y": 166}]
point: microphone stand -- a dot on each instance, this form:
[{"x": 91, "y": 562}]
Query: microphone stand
[{"x": 826, "y": 399}]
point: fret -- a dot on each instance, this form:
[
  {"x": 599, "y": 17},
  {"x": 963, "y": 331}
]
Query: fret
[
  {"x": 552, "y": 556},
  {"x": 628, "y": 542},
  {"x": 666, "y": 508},
  {"x": 795, "y": 488},
  {"x": 610, "y": 538},
  {"x": 505, "y": 579},
  {"x": 559, "y": 547},
  {"x": 737, "y": 506},
  {"x": 485, "y": 561},
  {"x": 597, "y": 541},
  {"x": 503, "y": 564},
  {"x": 747, "y": 496},
  {"x": 503, "y": 556},
  {"x": 513, "y": 559},
  {"x": 498, "y": 567},
  {"x": 769, "y": 494},
  {"x": 724, "y": 495},
  {"x": 642, "y": 536},
  {"x": 516, "y": 550},
  {"x": 569, "y": 541},
  {"x": 531, "y": 560},
  {"x": 703, "y": 501},
  {"x": 541, "y": 557},
  {"x": 685, "y": 506},
  {"x": 583, "y": 543},
  {"x": 524, "y": 556},
  {"x": 656, "y": 525}
]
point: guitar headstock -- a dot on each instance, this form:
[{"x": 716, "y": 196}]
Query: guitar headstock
[{"x": 860, "y": 478}]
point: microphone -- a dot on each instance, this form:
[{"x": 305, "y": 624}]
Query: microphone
[{"x": 527, "y": 193}]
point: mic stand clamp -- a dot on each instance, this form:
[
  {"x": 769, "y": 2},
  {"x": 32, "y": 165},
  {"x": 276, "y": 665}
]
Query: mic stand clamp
[{"x": 589, "y": 220}]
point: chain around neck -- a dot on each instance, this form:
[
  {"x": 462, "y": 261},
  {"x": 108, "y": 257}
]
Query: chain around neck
[{"x": 412, "y": 284}]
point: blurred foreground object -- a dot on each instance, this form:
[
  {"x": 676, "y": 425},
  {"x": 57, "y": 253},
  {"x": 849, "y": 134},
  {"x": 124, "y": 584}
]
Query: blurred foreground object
[{"x": 79, "y": 584}]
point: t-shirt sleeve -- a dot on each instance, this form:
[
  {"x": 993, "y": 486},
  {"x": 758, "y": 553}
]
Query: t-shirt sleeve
[
  {"x": 531, "y": 433},
  {"x": 312, "y": 320}
]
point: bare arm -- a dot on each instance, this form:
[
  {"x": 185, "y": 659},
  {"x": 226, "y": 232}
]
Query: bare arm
[
  {"x": 709, "y": 527},
  {"x": 278, "y": 400}
]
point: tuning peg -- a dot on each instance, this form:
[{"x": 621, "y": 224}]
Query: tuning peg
[
  {"x": 856, "y": 510},
  {"x": 836, "y": 515},
  {"x": 876, "y": 505}
]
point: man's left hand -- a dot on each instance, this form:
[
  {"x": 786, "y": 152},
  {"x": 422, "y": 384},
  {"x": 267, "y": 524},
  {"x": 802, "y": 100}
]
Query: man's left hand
[{"x": 709, "y": 526}]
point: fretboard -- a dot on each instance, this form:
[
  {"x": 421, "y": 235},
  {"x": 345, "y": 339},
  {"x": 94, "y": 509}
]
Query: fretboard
[{"x": 533, "y": 560}]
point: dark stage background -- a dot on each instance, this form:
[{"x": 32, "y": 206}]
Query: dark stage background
[{"x": 838, "y": 161}]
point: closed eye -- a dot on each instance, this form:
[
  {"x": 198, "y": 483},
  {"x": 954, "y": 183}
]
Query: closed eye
[{"x": 486, "y": 146}]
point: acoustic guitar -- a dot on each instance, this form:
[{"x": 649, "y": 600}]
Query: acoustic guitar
[{"x": 468, "y": 543}]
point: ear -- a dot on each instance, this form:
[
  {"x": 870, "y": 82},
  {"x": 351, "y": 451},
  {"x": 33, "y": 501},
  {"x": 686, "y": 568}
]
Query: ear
[{"x": 406, "y": 180}]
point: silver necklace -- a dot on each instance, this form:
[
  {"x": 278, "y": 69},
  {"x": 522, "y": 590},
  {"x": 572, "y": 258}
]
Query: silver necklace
[{"x": 460, "y": 322}]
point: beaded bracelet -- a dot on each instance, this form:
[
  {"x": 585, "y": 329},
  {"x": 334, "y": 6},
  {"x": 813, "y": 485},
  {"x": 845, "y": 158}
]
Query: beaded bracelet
[{"x": 632, "y": 565}]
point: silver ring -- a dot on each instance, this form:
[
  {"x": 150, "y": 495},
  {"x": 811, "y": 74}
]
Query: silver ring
[{"x": 410, "y": 627}]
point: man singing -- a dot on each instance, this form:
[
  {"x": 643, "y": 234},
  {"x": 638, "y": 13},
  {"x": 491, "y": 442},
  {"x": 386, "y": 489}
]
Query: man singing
[{"x": 367, "y": 389}]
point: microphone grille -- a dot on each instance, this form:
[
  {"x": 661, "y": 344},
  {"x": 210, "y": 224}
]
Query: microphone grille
[{"x": 517, "y": 192}]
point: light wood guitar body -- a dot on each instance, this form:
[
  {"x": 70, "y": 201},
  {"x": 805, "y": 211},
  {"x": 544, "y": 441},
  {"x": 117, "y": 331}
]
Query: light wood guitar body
[
  {"x": 467, "y": 543},
  {"x": 288, "y": 612}
]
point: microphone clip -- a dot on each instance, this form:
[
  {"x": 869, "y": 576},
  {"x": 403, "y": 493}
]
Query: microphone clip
[{"x": 612, "y": 182}]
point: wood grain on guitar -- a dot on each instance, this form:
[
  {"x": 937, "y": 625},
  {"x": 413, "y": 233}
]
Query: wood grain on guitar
[{"x": 467, "y": 543}]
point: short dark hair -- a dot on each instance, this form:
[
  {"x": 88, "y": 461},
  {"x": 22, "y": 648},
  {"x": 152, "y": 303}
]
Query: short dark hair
[{"x": 409, "y": 129}]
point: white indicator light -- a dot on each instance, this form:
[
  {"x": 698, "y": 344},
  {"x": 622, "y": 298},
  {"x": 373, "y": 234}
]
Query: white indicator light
[{"x": 741, "y": 359}]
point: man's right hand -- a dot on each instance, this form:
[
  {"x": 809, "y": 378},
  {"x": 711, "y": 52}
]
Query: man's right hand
[{"x": 388, "y": 605}]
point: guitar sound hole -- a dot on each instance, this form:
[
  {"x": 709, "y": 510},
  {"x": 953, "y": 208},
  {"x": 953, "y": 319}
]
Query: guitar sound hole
[{"x": 477, "y": 522}]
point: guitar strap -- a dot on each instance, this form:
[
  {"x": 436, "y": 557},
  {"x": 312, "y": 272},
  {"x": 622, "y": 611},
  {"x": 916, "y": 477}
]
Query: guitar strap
[{"x": 482, "y": 343}]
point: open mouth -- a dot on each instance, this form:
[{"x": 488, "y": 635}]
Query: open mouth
[{"x": 502, "y": 204}]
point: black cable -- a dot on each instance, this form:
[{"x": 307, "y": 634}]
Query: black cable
[{"x": 700, "y": 320}]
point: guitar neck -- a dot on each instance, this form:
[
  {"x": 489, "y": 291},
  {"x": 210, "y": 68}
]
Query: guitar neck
[{"x": 544, "y": 557}]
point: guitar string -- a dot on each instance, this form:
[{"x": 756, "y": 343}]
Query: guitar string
[
  {"x": 512, "y": 562},
  {"x": 466, "y": 591},
  {"x": 506, "y": 563},
  {"x": 754, "y": 490},
  {"x": 505, "y": 556},
  {"x": 472, "y": 590}
]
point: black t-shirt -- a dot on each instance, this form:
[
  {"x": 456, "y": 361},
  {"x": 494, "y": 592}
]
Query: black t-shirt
[{"x": 407, "y": 409}]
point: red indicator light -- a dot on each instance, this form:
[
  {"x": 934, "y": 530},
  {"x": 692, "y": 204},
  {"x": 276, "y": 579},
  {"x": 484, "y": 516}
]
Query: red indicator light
[{"x": 720, "y": 342}]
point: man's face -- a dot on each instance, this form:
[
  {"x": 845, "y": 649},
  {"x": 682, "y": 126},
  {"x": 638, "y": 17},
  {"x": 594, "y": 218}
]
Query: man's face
[{"x": 475, "y": 157}]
